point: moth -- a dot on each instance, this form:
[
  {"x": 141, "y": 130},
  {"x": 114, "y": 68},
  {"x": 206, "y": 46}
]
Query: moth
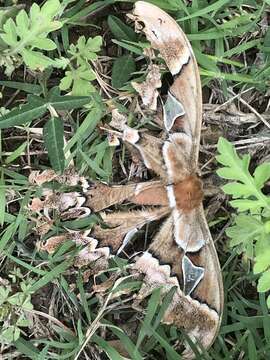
[{"x": 182, "y": 253}]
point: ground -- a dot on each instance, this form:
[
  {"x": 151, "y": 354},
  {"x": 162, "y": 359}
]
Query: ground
[{"x": 48, "y": 310}]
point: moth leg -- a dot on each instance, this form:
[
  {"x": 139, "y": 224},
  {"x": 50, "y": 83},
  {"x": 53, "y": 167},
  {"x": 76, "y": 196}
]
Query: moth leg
[{"x": 123, "y": 225}]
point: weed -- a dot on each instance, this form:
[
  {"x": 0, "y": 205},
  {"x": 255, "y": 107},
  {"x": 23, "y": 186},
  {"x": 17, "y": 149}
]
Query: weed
[{"x": 250, "y": 234}]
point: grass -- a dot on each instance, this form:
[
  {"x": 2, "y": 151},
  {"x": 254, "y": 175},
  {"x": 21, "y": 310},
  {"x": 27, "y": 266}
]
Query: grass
[{"x": 47, "y": 310}]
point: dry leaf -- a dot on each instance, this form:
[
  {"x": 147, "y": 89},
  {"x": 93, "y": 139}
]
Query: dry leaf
[
  {"x": 43, "y": 225},
  {"x": 36, "y": 205},
  {"x": 70, "y": 177},
  {"x": 148, "y": 89},
  {"x": 39, "y": 178},
  {"x": 113, "y": 140},
  {"x": 118, "y": 120},
  {"x": 79, "y": 238}
]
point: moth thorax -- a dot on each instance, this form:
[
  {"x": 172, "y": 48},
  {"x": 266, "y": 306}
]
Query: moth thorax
[{"x": 188, "y": 193}]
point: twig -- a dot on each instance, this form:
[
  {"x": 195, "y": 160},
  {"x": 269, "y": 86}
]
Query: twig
[{"x": 252, "y": 110}]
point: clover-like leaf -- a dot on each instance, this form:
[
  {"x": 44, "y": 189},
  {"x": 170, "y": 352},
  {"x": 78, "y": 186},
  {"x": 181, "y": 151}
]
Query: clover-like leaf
[
  {"x": 80, "y": 81},
  {"x": 251, "y": 231},
  {"x": 264, "y": 282},
  {"x": 29, "y": 32},
  {"x": 245, "y": 185}
]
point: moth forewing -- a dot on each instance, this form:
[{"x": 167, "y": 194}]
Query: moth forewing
[
  {"x": 101, "y": 196},
  {"x": 168, "y": 38}
]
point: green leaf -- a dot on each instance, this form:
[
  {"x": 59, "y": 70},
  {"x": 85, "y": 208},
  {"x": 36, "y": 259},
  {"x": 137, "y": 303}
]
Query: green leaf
[
  {"x": 36, "y": 60},
  {"x": 245, "y": 204},
  {"x": 11, "y": 334},
  {"x": 11, "y": 35},
  {"x": 246, "y": 229},
  {"x": 44, "y": 44},
  {"x": 236, "y": 189},
  {"x": 29, "y": 88},
  {"x": 169, "y": 5},
  {"x": 150, "y": 312},
  {"x": 51, "y": 275},
  {"x": 262, "y": 261},
  {"x": 120, "y": 30},
  {"x": 2, "y": 199},
  {"x": 16, "y": 153},
  {"x": 104, "y": 345},
  {"x": 53, "y": 133},
  {"x": 236, "y": 168},
  {"x": 217, "y": 5},
  {"x": 50, "y": 8},
  {"x": 127, "y": 343},
  {"x": 69, "y": 102},
  {"x": 23, "y": 22},
  {"x": 22, "y": 115},
  {"x": 93, "y": 44},
  {"x": 81, "y": 79},
  {"x": 130, "y": 47},
  {"x": 86, "y": 128},
  {"x": 84, "y": 51},
  {"x": 171, "y": 353},
  {"x": 66, "y": 81},
  {"x": 31, "y": 32},
  {"x": 262, "y": 174},
  {"x": 264, "y": 282},
  {"x": 122, "y": 70}
]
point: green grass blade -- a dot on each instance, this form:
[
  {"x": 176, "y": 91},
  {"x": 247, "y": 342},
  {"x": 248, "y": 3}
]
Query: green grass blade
[
  {"x": 2, "y": 198},
  {"x": 104, "y": 345},
  {"x": 217, "y": 5},
  {"x": 53, "y": 133},
  {"x": 22, "y": 115},
  {"x": 51, "y": 275},
  {"x": 29, "y": 88}
]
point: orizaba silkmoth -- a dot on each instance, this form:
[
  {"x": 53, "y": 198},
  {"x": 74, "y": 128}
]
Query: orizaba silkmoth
[{"x": 182, "y": 253}]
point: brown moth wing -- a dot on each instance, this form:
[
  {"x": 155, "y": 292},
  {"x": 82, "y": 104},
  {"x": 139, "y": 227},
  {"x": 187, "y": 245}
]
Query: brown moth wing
[
  {"x": 150, "y": 149},
  {"x": 193, "y": 238},
  {"x": 198, "y": 313},
  {"x": 188, "y": 234},
  {"x": 197, "y": 306},
  {"x": 122, "y": 225},
  {"x": 164, "y": 248},
  {"x": 176, "y": 153},
  {"x": 101, "y": 196},
  {"x": 198, "y": 320},
  {"x": 163, "y": 33},
  {"x": 167, "y": 37},
  {"x": 207, "y": 258},
  {"x": 150, "y": 193}
]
